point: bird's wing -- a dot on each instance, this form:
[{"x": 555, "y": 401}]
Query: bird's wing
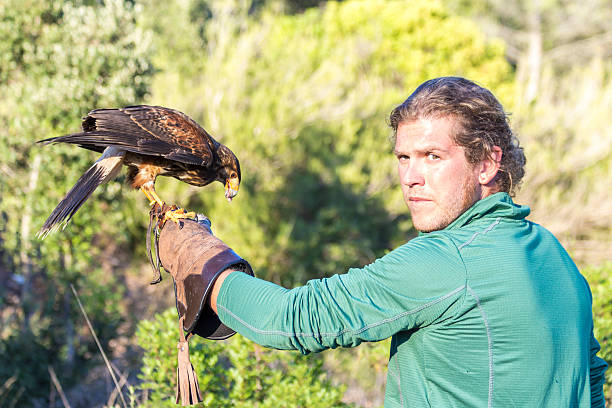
[{"x": 150, "y": 130}]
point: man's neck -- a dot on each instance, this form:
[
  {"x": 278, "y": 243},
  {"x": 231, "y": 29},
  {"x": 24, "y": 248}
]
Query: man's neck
[{"x": 487, "y": 191}]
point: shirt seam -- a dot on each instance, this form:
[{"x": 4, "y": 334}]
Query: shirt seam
[
  {"x": 396, "y": 376},
  {"x": 477, "y": 233},
  {"x": 399, "y": 380},
  {"x": 344, "y": 331},
  {"x": 489, "y": 343}
]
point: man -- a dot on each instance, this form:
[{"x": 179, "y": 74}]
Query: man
[{"x": 484, "y": 307}]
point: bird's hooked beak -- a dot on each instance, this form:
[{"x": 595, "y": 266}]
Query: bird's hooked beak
[{"x": 231, "y": 188}]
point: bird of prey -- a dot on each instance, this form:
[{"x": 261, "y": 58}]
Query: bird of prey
[{"x": 152, "y": 141}]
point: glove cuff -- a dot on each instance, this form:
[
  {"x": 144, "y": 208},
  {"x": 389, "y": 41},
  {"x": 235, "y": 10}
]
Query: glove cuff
[{"x": 206, "y": 323}]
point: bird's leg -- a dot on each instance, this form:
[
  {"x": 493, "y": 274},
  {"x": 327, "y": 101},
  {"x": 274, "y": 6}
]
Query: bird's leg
[
  {"x": 174, "y": 213},
  {"x": 149, "y": 190}
]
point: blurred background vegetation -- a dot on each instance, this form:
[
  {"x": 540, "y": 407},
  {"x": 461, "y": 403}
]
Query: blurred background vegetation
[{"x": 300, "y": 90}]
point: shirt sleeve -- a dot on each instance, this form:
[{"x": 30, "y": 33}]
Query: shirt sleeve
[
  {"x": 416, "y": 285},
  {"x": 597, "y": 378}
]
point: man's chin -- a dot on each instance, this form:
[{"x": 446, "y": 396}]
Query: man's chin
[
  {"x": 423, "y": 226},
  {"x": 426, "y": 229},
  {"x": 429, "y": 225}
]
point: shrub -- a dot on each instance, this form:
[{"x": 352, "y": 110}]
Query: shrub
[{"x": 231, "y": 373}]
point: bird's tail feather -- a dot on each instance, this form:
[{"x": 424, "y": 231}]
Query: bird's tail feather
[{"x": 103, "y": 170}]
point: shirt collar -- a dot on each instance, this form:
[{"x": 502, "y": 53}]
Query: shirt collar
[{"x": 494, "y": 206}]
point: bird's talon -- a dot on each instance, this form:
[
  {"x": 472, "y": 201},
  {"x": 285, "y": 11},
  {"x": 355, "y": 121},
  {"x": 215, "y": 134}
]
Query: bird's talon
[{"x": 177, "y": 214}]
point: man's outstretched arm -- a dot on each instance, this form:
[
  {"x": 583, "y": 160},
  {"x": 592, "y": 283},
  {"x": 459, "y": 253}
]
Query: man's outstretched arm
[{"x": 365, "y": 304}]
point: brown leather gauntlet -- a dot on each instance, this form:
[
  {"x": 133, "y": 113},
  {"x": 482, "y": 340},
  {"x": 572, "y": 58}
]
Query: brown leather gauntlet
[{"x": 194, "y": 258}]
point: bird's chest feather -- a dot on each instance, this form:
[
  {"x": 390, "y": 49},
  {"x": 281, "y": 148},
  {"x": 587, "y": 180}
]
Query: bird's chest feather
[
  {"x": 195, "y": 176},
  {"x": 143, "y": 173},
  {"x": 143, "y": 169}
]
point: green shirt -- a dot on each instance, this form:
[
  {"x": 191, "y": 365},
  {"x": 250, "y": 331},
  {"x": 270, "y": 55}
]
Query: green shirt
[{"x": 490, "y": 311}]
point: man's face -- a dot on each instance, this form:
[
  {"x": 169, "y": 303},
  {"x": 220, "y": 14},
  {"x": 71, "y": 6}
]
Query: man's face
[{"x": 437, "y": 181}]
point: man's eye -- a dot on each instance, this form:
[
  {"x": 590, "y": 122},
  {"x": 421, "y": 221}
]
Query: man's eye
[
  {"x": 432, "y": 156},
  {"x": 403, "y": 157}
]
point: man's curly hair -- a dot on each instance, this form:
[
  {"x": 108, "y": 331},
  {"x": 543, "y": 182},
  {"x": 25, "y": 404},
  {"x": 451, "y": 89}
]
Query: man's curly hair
[{"x": 481, "y": 119}]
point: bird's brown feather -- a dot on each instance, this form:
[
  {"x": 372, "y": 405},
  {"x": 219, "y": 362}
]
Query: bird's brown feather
[{"x": 173, "y": 127}]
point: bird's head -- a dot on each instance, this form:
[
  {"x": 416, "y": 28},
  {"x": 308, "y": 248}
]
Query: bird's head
[{"x": 229, "y": 174}]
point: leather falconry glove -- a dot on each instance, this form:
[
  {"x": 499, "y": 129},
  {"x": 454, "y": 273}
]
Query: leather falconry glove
[{"x": 195, "y": 258}]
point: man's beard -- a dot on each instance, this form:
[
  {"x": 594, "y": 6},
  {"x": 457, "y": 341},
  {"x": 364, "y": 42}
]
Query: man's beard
[{"x": 450, "y": 210}]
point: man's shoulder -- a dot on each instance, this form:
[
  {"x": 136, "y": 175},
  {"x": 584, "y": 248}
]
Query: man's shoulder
[
  {"x": 454, "y": 240},
  {"x": 493, "y": 231}
]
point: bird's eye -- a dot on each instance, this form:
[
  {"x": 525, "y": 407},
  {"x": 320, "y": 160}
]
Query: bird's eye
[{"x": 233, "y": 175}]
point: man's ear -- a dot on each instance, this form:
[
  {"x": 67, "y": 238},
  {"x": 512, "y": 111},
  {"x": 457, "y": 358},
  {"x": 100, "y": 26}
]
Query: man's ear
[{"x": 490, "y": 166}]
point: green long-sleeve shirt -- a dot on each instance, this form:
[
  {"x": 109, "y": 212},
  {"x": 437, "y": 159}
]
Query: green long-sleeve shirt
[{"x": 490, "y": 311}]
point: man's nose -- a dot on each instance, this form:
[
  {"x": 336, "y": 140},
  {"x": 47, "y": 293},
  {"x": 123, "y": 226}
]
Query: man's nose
[{"x": 412, "y": 175}]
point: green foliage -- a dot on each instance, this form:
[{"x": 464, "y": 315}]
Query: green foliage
[
  {"x": 23, "y": 361},
  {"x": 363, "y": 370},
  {"x": 302, "y": 100},
  {"x": 58, "y": 61},
  {"x": 600, "y": 280},
  {"x": 232, "y": 373}
]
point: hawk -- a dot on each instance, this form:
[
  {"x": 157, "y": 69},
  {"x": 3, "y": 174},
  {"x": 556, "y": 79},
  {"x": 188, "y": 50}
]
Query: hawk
[{"x": 151, "y": 141}]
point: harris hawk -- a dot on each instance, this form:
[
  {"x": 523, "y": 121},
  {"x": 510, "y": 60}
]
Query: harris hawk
[{"x": 151, "y": 141}]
